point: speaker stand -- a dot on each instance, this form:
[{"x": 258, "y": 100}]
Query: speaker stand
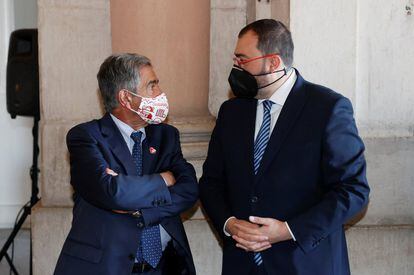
[{"x": 34, "y": 171}]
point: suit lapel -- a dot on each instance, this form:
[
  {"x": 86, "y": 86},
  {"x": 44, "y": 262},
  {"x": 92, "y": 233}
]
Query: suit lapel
[
  {"x": 117, "y": 144},
  {"x": 248, "y": 120},
  {"x": 150, "y": 148},
  {"x": 287, "y": 118}
]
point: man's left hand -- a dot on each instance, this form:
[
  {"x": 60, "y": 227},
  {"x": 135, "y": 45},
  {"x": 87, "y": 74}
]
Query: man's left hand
[{"x": 275, "y": 230}]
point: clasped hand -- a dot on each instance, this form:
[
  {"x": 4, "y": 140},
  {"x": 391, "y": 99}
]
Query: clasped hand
[{"x": 257, "y": 234}]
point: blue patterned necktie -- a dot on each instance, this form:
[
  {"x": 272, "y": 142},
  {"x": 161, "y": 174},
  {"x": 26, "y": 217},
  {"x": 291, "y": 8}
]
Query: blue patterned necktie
[
  {"x": 259, "y": 148},
  {"x": 150, "y": 249}
]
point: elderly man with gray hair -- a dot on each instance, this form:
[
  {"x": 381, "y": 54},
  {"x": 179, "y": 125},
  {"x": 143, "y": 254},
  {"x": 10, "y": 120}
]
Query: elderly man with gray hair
[{"x": 130, "y": 180}]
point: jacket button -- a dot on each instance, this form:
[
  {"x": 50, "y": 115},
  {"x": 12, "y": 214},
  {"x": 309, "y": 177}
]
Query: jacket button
[
  {"x": 254, "y": 199},
  {"x": 140, "y": 224},
  {"x": 131, "y": 257}
]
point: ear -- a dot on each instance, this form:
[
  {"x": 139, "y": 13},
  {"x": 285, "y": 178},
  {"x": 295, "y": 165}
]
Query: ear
[
  {"x": 275, "y": 62},
  {"x": 124, "y": 98}
]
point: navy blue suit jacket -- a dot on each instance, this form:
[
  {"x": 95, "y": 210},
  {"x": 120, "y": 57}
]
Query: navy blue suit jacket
[
  {"x": 101, "y": 241},
  {"x": 312, "y": 175}
]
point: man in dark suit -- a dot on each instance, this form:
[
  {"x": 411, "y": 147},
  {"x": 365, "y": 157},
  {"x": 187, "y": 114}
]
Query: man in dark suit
[
  {"x": 285, "y": 167},
  {"x": 130, "y": 179}
]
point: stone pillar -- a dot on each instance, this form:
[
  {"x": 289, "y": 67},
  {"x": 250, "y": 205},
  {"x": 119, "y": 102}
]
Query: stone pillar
[
  {"x": 74, "y": 38},
  {"x": 174, "y": 35},
  {"x": 227, "y": 18}
]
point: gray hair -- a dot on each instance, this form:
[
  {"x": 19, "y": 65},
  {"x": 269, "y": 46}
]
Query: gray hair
[
  {"x": 117, "y": 72},
  {"x": 274, "y": 37}
]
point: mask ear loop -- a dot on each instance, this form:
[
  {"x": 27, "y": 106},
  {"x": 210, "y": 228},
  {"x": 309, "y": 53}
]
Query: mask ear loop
[
  {"x": 284, "y": 73},
  {"x": 134, "y": 93}
]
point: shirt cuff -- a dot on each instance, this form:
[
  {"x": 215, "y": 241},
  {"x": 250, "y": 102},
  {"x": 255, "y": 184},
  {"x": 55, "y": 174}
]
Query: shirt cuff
[
  {"x": 164, "y": 180},
  {"x": 224, "y": 227},
  {"x": 290, "y": 231}
]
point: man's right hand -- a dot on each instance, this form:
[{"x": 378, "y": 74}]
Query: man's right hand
[
  {"x": 247, "y": 235},
  {"x": 168, "y": 178}
]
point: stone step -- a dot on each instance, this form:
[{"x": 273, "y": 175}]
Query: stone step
[
  {"x": 381, "y": 250},
  {"x": 193, "y": 129},
  {"x": 390, "y": 163},
  {"x": 194, "y": 150}
]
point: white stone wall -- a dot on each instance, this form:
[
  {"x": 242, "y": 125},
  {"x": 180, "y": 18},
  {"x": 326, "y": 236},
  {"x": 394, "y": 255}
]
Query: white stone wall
[
  {"x": 364, "y": 50},
  {"x": 325, "y": 42},
  {"x": 16, "y": 135},
  {"x": 384, "y": 71}
]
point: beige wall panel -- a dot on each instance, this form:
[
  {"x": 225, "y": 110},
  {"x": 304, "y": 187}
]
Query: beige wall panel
[
  {"x": 50, "y": 227},
  {"x": 390, "y": 175},
  {"x": 386, "y": 250},
  {"x": 54, "y": 177},
  {"x": 175, "y": 36},
  {"x": 280, "y": 10},
  {"x": 74, "y": 39}
]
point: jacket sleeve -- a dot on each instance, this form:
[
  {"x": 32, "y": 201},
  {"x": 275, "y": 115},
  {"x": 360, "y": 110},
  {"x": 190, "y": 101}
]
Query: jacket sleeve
[
  {"x": 90, "y": 180},
  {"x": 184, "y": 193},
  {"x": 212, "y": 182},
  {"x": 343, "y": 169}
]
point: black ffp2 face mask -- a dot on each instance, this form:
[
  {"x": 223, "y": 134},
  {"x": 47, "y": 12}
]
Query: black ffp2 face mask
[{"x": 244, "y": 84}]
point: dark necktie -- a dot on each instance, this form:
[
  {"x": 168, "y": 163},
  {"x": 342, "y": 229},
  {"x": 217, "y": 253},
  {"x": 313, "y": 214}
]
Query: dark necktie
[
  {"x": 259, "y": 148},
  {"x": 150, "y": 249}
]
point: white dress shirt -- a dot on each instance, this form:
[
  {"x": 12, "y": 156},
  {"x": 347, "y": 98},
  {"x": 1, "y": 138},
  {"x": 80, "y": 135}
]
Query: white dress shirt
[
  {"x": 126, "y": 132},
  {"x": 278, "y": 98}
]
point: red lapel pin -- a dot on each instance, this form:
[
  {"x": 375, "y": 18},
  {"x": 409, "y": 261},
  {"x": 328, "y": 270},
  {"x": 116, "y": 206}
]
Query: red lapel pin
[{"x": 152, "y": 150}]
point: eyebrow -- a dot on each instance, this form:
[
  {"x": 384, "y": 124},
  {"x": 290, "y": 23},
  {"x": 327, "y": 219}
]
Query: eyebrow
[
  {"x": 240, "y": 55},
  {"x": 155, "y": 81}
]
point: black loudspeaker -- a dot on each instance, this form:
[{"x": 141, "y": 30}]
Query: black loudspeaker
[{"x": 23, "y": 74}]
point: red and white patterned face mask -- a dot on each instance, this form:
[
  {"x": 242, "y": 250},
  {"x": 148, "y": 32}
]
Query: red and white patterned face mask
[{"x": 152, "y": 110}]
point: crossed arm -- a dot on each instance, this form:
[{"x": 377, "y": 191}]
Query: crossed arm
[{"x": 157, "y": 195}]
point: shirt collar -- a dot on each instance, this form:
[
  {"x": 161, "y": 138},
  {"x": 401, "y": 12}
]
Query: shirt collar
[
  {"x": 125, "y": 129},
  {"x": 280, "y": 95}
]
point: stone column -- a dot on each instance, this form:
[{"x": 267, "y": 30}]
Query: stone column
[
  {"x": 74, "y": 38},
  {"x": 227, "y": 18}
]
